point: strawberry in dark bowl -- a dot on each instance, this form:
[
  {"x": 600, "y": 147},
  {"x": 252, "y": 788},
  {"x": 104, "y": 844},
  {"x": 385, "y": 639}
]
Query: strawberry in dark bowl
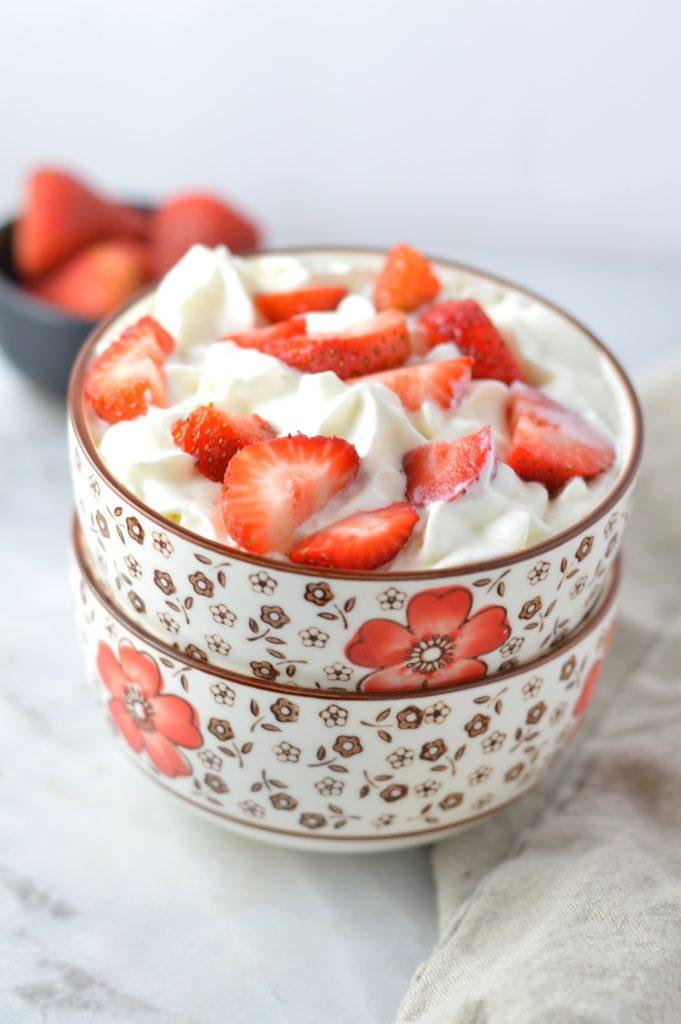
[{"x": 312, "y": 440}]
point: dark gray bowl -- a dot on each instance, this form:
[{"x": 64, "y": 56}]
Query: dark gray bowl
[{"x": 40, "y": 340}]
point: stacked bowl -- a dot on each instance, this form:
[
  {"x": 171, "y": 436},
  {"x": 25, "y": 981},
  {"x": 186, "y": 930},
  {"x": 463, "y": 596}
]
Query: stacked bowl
[{"x": 306, "y": 706}]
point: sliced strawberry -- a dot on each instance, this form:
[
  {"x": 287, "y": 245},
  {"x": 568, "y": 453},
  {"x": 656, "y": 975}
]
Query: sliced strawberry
[
  {"x": 214, "y": 436},
  {"x": 406, "y": 281},
  {"x": 260, "y": 337},
  {"x": 550, "y": 443},
  {"x": 128, "y": 376},
  {"x": 272, "y": 487},
  {"x": 376, "y": 344},
  {"x": 443, "y": 470},
  {"x": 62, "y": 216},
  {"x": 444, "y": 383},
  {"x": 275, "y": 306},
  {"x": 96, "y": 280},
  {"x": 362, "y": 541},
  {"x": 196, "y": 218},
  {"x": 466, "y": 324}
]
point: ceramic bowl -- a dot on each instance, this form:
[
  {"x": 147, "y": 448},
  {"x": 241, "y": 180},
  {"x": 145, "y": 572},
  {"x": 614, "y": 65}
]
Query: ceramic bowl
[
  {"x": 331, "y": 629},
  {"x": 343, "y": 772}
]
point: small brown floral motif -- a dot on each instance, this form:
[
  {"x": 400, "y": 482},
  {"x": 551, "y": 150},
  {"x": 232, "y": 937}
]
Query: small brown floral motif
[
  {"x": 201, "y": 584},
  {"x": 222, "y": 615},
  {"x": 478, "y": 725},
  {"x": 400, "y": 758},
  {"x": 480, "y": 774},
  {"x": 433, "y": 750},
  {"x": 333, "y": 716},
  {"x": 164, "y": 582},
  {"x": 508, "y": 665},
  {"x": 394, "y": 792},
  {"x": 313, "y": 637},
  {"x": 383, "y": 820},
  {"x": 511, "y": 646},
  {"x": 482, "y": 802},
  {"x": 452, "y": 800},
  {"x": 287, "y": 752},
  {"x": 611, "y": 524},
  {"x": 162, "y": 544},
  {"x": 133, "y": 566},
  {"x": 532, "y": 687},
  {"x": 137, "y": 602},
  {"x": 427, "y": 788},
  {"x": 515, "y": 772},
  {"x": 409, "y": 717},
  {"x": 493, "y": 742},
  {"x": 391, "y": 600},
  {"x": 223, "y": 694},
  {"x": 436, "y": 713},
  {"x": 168, "y": 622},
  {"x": 217, "y": 645},
  {"x": 274, "y": 616},
  {"x": 578, "y": 586},
  {"x": 337, "y": 673},
  {"x": 283, "y": 802},
  {"x": 135, "y": 529},
  {"x": 264, "y": 670},
  {"x": 348, "y": 746},
  {"x": 568, "y": 668},
  {"x": 261, "y": 583},
  {"x": 94, "y": 487},
  {"x": 221, "y": 729},
  {"x": 318, "y": 593},
  {"x": 216, "y": 783},
  {"x": 285, "y": 710},
  {"x": 312, "y": 820},
  {"x": 329, "y": 786},
  {"x": 538, "y": 573},
  {"x": 102, "y": 525},
  {"x": 536, "y": 713},
  {"x": 611, "y": 546},
  {"x": 253, "y": 809},
  {"x": 557, "y": 713},
  {"x": 210, "y": 760},
  {"x": 584, "y": 548},
  {"x": 196, "y": 653},
  {"x": 111, "y": 630},
  {"x": 530, "y": 608}
]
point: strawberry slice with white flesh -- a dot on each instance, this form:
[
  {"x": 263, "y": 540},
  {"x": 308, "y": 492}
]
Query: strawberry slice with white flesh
[
  {"x": 444, "y": 470},
  {"x": 129, "y": 376},
  {"x": 365, "y": 540},
  {"x": 445, "y": 383},
  {"x": 272, "y": 487},
  {"x": 551, "y": 444}
]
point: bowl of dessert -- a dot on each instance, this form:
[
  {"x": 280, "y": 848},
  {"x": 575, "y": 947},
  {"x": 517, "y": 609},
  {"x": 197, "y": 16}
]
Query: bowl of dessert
[
  {"x": 352, "y": 771},
  {"x": 350, "y": 470}
]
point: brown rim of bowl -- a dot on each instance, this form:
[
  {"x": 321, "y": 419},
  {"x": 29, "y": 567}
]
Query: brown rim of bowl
[
  {"x": 591, "y": 622},
  {"x": 76, "y": 401}
]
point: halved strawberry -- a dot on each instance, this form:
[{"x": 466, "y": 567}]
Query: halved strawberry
[
  {"x": 365, "y": 540},
  {"x": 260, "y": 337},
  {"x": 62, "y": 216},
  {"x": 443, "y": 470},
  {"x": 272, "y": 487},
  {"x": 214, "y": 436},
  {"x": 275, "y": 306},
  {"x": 466, "y": 324},
  {"x": 406, "y": 281},
  {"x": 444, "y": 383},
  {"x": 380, "y": 343},
  {"x": 128, "y": 376},
  {"x": 550, "y": 443},
  {"x": 197, "y": 218},
  {"x": 361, "y": 541}
]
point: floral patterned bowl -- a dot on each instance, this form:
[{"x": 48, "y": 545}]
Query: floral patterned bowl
[
  {"x": 328, "y": 629},
  {"x": 346, "y": 772}
]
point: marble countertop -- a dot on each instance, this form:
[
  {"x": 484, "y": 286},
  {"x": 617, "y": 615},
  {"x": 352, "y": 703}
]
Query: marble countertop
[{"x": 116, "y": 905}]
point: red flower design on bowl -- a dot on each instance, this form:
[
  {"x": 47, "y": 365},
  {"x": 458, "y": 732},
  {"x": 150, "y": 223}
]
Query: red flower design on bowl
[
  {"x": 148, "y": 718},
  {"x": 439, "y": 645}
]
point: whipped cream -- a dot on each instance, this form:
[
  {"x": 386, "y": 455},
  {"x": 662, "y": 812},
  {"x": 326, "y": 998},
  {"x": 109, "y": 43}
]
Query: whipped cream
[{"x": 209, "y": 294}]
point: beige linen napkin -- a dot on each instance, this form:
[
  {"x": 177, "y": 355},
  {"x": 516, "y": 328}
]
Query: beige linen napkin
[{"x": 567, "y": 907}]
